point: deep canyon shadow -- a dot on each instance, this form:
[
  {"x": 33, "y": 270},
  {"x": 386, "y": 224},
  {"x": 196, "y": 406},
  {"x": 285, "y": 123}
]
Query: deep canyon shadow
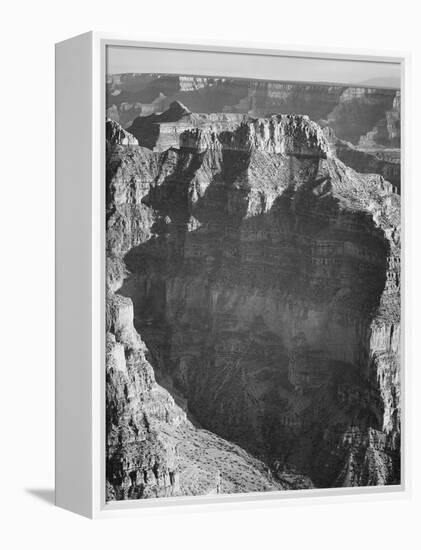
[{"x": 260, "y": 321}]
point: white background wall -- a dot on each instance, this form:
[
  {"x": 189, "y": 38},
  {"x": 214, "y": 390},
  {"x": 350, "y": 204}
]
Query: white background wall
[{"x": 28, "y": 32}]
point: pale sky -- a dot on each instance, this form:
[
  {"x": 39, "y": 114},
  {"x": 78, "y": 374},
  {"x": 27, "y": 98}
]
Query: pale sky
[{"x": 298, "y": 69}]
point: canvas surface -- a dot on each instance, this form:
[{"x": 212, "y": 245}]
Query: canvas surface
[{"x": 253, "y": 284}]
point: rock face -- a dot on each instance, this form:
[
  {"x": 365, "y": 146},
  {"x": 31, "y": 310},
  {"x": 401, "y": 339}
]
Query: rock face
[
  {"x": 264, "y": 275},
  {"x": 160, "y": 132},
  {"x": 359, "y": 110},
  {"x": 152, "y": 449},
  {"x": 377, "y": 161},
  {"x": 370, "y": 115},
  {"x": 116, "y": 135},
  {"x": 387, "y": 130},
  {"x": 365, "y": 121}
]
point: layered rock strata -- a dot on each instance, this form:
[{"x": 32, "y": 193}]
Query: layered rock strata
[
  {"x": 152, "y": 449},
  {"x": 163, "y": 131},
  {"x": 116, "y": 135},
  {"x": 265, "y": 277},
  {"x": 370, "y": 161},
  {"x": 367, "y": 116},
  {"x": 387, "y": 130}
]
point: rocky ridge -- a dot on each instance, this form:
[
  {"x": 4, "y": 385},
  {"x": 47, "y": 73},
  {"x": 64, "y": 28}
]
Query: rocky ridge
[
  {"x": 264, "y": 275},
  {"x": 116, "y": 135},
  {"x": 354, "y": 113},
  {"x": 384, "y": 162},
  {"x": 153, "y": 450}
]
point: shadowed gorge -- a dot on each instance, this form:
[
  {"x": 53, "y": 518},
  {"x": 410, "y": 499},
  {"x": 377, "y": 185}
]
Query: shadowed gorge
[{"x": 256, "y": 277}]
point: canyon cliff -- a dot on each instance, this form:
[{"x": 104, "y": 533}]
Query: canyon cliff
[
  {"x": 365, "y": 121},
  {"x": 253, "y": 309},
  {"x": 153, "y": 450},
  {"x": 367, "y": 160},
  {"x": 361, "y": 115}
]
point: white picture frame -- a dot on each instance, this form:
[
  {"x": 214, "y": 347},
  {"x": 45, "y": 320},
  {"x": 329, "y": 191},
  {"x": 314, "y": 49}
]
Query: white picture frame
[{"x": 80, "y": 263}]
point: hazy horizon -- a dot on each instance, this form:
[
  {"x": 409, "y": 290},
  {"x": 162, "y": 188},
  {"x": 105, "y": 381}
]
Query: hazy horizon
[{"x": 124, "y": 60}]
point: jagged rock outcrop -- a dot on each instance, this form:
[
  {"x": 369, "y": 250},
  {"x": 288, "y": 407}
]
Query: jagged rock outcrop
[
  {"x": 265, "y": 277},
  {"x": 368, "y": 161},
  {"x": 116, "y": 135},
  {"x": 160, "y": 132},
  {"x": 282, "y": 134},
  {"x": 357, "y": 114},
  {"x": 152, "y": 449}
]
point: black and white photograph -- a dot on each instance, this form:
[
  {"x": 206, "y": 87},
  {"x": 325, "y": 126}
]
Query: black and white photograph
[
  {"x": 253, "y": 247},
  {"x": 210, "y": 309}
]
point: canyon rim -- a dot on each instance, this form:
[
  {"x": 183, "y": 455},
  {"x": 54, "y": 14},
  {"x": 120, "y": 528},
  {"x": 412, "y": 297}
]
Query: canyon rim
[{"x": 253, "y": 285}]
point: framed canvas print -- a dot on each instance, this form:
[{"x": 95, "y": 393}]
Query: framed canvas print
[{"x": 229, "y": 274}]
